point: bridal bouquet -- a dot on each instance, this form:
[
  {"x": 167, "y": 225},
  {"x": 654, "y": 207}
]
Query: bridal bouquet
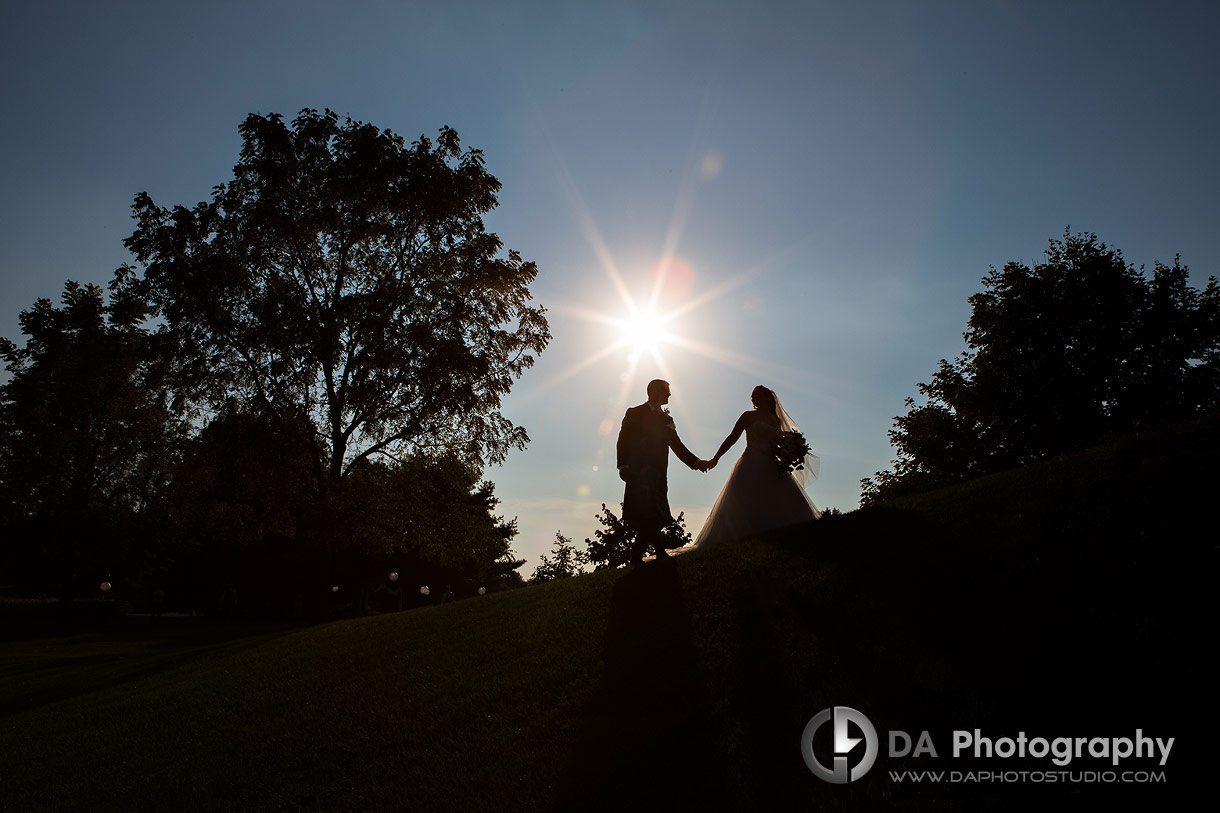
[{"x": 790, "y": 452}]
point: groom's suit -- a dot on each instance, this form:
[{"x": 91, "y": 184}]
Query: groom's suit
[{"x": 644, "y": 442}]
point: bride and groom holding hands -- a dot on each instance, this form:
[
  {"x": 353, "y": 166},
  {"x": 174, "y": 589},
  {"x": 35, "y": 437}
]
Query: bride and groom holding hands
[{"x": 758, "y": 496}]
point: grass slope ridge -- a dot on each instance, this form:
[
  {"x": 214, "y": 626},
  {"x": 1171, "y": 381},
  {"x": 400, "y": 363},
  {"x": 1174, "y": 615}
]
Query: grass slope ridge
[{"x": 1067, "y": 598}]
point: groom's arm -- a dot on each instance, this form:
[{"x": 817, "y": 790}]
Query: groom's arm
[{"x": 684, "y": 454}]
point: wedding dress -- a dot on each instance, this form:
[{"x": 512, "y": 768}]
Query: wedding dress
[{"x": 757, "y": 497}]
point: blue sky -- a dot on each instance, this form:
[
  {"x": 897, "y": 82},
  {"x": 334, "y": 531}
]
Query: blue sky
[{"x": 832, "y": 180}]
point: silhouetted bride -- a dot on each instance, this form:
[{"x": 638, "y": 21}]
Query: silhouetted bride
[{"x": 759, "y": 495}]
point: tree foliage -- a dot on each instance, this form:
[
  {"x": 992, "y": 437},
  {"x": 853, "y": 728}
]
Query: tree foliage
[
  {"x": 242, "y": 490},
  {"x": 85, "y": 443},
  {"x": 1060, "y": 356},
  {"x": 245, "y": 495},
  {"x": 614, "y": 542},
  {"x": 343, "y": 285},
  {"x": 434, "y": 509},
  {"x": 567, "y": 561}
]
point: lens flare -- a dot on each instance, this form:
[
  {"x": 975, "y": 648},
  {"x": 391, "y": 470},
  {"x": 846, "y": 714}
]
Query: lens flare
[{"x": 673, "y": 279}]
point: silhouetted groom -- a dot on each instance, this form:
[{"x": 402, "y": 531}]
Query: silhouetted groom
[{"x": 644, "y": 442}]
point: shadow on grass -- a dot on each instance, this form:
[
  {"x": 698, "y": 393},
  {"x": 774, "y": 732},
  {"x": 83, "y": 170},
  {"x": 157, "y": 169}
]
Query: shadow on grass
[{"x": 647, "y": 741}]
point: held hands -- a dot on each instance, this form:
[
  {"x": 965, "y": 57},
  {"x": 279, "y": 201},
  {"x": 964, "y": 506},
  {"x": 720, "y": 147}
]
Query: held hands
[{"x": 705, "y": 465}]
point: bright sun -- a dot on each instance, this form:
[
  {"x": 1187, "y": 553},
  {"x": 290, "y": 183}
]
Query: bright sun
[{"x": 643, "y": 332}]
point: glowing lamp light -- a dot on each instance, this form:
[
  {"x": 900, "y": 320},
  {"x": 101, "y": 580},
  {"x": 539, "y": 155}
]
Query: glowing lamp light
[
  {"x": 335, "y": 589},
  {"x": 106, "y": 587},
  {"x": 394, "y": 576},
  {"x": 482, "y": 591},
  {"x": 423, "y": 591}
]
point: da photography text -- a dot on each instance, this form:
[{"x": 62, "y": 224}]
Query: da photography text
[
  {"x": 854, "y": 744},
  {"x": 1061, "y": 750}
]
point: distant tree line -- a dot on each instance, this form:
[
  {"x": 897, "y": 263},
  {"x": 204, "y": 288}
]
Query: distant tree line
[
  {"x": 296, "y": 385},
  {"x": 1060, "y": 357}
]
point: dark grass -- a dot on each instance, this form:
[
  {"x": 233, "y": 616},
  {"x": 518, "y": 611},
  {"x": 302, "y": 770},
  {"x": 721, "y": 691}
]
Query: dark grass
[
  {"x": 1075, "y": 597},
  {"x": 40, "y": 671}
]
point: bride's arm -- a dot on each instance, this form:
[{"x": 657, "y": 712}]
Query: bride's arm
[{"x": 745, "y": 420}]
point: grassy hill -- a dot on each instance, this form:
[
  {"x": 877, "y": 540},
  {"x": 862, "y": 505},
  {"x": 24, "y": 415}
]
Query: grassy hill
[{"x": 1070, "y": 598}]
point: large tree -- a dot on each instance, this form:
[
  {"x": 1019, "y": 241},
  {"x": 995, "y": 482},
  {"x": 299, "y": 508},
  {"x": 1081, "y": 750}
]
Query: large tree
[
  {"x": 343, "y": 288},
  {"x": 1060, "y": 356},
  {"x": 343, "y": 284}
]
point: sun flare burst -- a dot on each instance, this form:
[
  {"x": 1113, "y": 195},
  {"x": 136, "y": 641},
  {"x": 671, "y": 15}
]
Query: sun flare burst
[{"x": 647, "y": 332}]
